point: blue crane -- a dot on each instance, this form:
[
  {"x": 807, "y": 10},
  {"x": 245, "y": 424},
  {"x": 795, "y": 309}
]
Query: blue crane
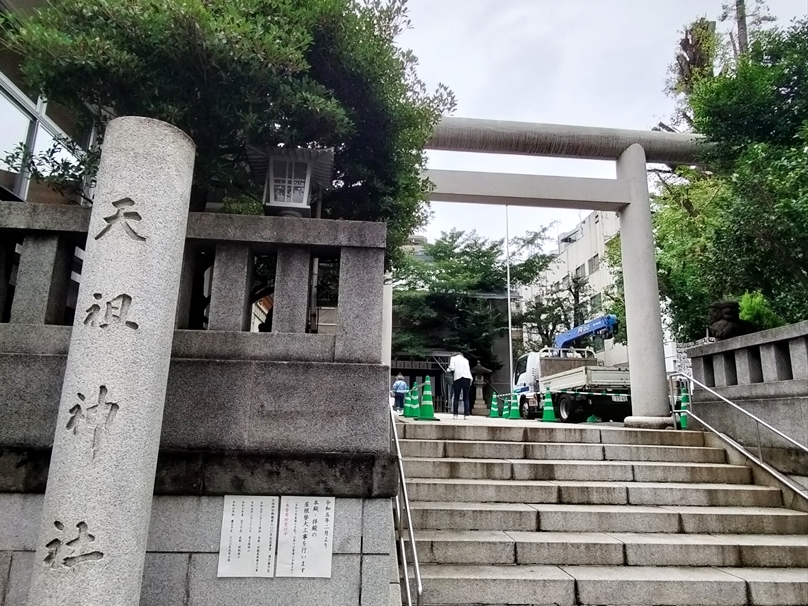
[{"x": 605, "y": 326}]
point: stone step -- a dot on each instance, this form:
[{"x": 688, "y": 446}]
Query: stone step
[
  {"x": 694, "y": 586},
  {"x": 497, "y": 585},
  {"x": 610, "y": 549},
  {"x": 559, "y": 451},
  {"x": 594, "y": 493},
  {"x": 619, "y": 585},
  {"x": 763, "y": 550},
  {"x": 519, "y": 431},
  {"x": 595, "y": 471},
  {"x": 774, "y": 587},
  {"x": 691, "y": 520},
  {"x": 474, "y": 516},
  {"x": 429, "y": 515}
]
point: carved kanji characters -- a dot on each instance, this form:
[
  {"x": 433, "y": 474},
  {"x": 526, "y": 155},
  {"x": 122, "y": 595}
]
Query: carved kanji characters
[
  {"x": 66, "y": 554},
  {"x": 97, "y": 417},
  {"x": 115, "y": 314},
  {"x": 122, "y": 217}
]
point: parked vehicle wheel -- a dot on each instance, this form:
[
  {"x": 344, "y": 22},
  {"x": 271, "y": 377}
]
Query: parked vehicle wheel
[
  {"x": 568, "y": 409},
  {"x": 524, "y": 409}
]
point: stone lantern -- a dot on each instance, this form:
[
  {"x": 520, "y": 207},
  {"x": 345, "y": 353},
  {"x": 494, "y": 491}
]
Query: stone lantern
[
  {"x": 480, "y": 372},
  {"x": 290, "y": 176}
]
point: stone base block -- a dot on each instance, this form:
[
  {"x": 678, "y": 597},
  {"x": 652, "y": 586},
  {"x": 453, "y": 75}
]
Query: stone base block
[
  {"x": 649, "y": 422},
  {"x": 363, "y": 475},
  {"x": 250, "y": 405}
]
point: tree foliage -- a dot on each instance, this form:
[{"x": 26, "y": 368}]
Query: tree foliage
[
  {"x": 737, "y": 230},
  {"x": 553, "y": 312},
  {"x": 756, "y": 309},
  {"x": 762, "y": 99},
  {"x": 452, "y": 295},
  {"x": 310, "y": 73},
  {"x": 686, "y": 216},
  {"x": 614, "y": 299}
]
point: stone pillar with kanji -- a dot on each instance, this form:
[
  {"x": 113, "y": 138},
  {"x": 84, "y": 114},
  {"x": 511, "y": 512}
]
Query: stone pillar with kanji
[{"x": 95, "y": 520}]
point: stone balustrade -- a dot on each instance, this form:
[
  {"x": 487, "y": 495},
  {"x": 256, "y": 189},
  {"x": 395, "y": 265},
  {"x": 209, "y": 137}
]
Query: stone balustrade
[
  {"x": 765, "y": 373},
  {"x": 309, "y": 409}
]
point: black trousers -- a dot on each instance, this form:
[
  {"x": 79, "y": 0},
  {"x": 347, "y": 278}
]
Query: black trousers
[{"x": 461, "y": 385}]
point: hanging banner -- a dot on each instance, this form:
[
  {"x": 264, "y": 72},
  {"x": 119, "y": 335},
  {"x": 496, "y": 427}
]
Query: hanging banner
[
  {"x": 305, "y": 537},
  {"x": 249, "y": 531}
]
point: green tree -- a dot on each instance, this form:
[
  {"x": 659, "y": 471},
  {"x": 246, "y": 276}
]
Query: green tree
[
  {"x": 687, "y": 213},
  {"x": 310, "y": 73},
  {"x": 756, "y": 309},
  {"x": 440, "y": 300},
  {"x": 451, "y": 297},
  {"x": 739, "y": 227},
  {"x": 763, "y": 239},
  {"x": 614, "y": 300},
  {"x": 756, "y": 115},
  {"x": 763, "y": 98},
  {"x": 553, "y": 312},
  {"x": 694, "y": 60}
]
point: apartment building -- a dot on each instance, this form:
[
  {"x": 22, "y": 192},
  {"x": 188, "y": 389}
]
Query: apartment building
[{"x": 581, "y": 252}]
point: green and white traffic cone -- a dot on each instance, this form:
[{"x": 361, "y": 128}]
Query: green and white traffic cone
[
  {"x": 548, "y": 412},
  {"x": 685, "y": 406},
  {"x": 513, "y": 412},
  {"x": 409, "y": 405},
  {"x": 506, "y": 407},
  {"x": 494, "y": 412},
  {"x": 427, "y": 410}
]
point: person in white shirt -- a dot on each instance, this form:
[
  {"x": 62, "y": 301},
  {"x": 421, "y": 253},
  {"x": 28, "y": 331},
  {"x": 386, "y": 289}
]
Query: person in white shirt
[{"x": 461, "y": 370}]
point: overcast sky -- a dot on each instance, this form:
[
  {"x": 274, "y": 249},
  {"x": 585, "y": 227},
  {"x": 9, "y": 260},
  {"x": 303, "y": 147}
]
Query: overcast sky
[{"x": 582, "y": 62}]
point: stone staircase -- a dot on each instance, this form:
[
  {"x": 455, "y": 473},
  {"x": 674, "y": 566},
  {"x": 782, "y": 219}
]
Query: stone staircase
[{"x": 531, "y": 514}]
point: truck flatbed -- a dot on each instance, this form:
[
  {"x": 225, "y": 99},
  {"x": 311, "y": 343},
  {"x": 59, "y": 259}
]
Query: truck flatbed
[{"x": 589, "y": 378}]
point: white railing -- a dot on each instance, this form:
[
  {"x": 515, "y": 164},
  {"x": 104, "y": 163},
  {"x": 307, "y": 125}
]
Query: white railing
[
  {"x": 403, "y": 506},
  {"x": 758, "y": 422}
]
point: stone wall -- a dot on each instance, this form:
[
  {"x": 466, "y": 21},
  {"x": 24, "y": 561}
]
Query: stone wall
[
  {"x": 279, "y": 413},
  {"x": 183, "y": 553},
  {"x": 765, "y": 373}
]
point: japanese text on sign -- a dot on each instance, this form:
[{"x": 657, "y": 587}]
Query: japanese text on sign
[
  {"x": 249, "y": 529},
  {"x": 305, "y": 539}
]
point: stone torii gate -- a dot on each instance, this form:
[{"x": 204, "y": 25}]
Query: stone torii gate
[{"x": 627, "y": 195}]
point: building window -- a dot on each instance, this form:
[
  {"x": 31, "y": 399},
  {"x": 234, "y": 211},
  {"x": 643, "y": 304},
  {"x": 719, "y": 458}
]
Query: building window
[
  {"x": 25, "y": 122},
  {"x": 596, "y": 303},
  {"x": 594, "y": 264},
  {"x": 13, "y": 131},
  {"x": 580, "y": 271}
]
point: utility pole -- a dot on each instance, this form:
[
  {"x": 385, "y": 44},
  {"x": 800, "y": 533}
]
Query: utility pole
[{"x": 508, "y": 285}]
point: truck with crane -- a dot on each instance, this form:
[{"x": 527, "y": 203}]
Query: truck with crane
[{"x": 580, "y": 386}]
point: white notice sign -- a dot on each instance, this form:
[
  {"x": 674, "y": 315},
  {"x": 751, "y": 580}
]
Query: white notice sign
[
  {"x": 249, "y": 530},
  {"x": 305, "y": 537}
]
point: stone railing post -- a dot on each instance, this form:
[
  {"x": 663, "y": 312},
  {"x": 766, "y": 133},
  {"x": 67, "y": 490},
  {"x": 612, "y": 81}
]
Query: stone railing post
[
  {"x": 92, "y": 540},
  {"x": 360, "y": 304},
  {"x": 42, "y": 280},
  {"x": 290, "y": 310},
  {"x": 230, "y": 288}
]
